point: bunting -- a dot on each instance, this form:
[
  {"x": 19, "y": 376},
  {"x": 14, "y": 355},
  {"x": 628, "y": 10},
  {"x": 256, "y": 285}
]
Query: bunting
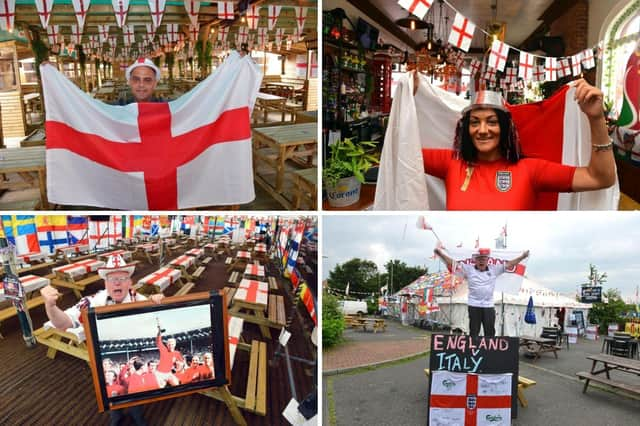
[
  {"x": 525, "y": 66},
  {"x": 103, "y": 31},
  {"x": 156, "y": 8},
  {"x": 151, "y": 31},
  {"x": 7, "y": 14},
  {"x": 120, "y": 7},
  {"x": 301, "y": 16},
  {"x": 462, "y": 32},
  {"x": 53, "y": 35},
  {"x": 44, "y": 11},
  {"x": 272, "y": 16},
  {"x": 76, "y": 34},
  {"x": 498, "y": 55},
  {"x": 418, "y": 8},
  {"x": 253, "y": 16},
  {"x": 193, "y": 8},
  {"x": 225, "y": 10},
  {"x": 80, "y": 7}
]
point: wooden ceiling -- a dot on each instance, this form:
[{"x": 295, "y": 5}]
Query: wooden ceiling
[
  {"x": 101, "y": 12},
  {"x": 522, "y": 18}
]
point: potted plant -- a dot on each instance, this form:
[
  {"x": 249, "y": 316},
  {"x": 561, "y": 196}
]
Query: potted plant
[{"x": 343, "y": 173}]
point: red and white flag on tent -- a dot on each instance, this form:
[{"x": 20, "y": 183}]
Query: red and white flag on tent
[
  {"x": 80, "y": 7},
  {"x": 418, "y": 8},
  {"x": 153, "y": 156},
  {"x": 7, "y": 14},
  {"x": 301, "y": 17},
  {"x": 44, "y": 11},
  {"x": 550, "y": 69},
  {"x": 498, "y": 55},
  {"x": 428, "y": 120},
  {"x": 193, "y": 9},
  {"x": 156, "y": 8},
  {"x": 462, "y": 32},
  {"x": 120, "y": 8},
  {"x": 423, "y": 224},
  {"x": 225, "y": 10},
  {"x": 253, "y": 16},
  {"x": 525, "y": 66},
  {"x": 272, "y": 16}
]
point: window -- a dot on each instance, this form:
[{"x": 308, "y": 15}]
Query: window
[
  {"x": 620, "y": 41},
  {"x": 8, "y": 75}
]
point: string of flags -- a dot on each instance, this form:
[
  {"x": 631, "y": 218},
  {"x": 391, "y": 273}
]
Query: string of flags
[
  {"x": 264, "y": 37},
  {"x": 530, "y": 67}
]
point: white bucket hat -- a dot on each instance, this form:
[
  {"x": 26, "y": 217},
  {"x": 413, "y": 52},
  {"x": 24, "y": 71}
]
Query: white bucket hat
[
  {"x": 142, "y": 62},
  {"x": 487, "y": 99},
  {"x": 116, "y": 263}
]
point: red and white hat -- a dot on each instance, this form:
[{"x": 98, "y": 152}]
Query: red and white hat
[
  {"x": 483, "y": 252},
  {"x": 487, "y": 99},
  {"x": 116, "y": 263},
  {"x": 142, "y": 62}
]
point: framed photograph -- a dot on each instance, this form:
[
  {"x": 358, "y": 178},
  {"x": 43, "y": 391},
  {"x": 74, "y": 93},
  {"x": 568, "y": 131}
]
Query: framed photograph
[{"x": 143, "y": 352}]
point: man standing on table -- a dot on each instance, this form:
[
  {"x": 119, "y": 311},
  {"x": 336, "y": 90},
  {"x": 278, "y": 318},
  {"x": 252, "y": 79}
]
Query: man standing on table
[
  {"x": 481, "y": 279},
  {"x": 117, "y": 283}
]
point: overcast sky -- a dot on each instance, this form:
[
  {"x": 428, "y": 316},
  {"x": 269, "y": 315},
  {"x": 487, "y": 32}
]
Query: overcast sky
[{"x": 562, "y": 244}]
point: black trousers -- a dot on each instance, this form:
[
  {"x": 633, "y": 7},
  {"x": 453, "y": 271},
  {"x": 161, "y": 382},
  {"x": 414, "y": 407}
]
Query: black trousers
[{"x": 484, "y": 316}]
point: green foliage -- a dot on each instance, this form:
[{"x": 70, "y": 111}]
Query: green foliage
[
  {"x": 607, "y": 313},
  {"x": 362, "y": 276},
  {"x": 349, "y": 159},
  {"x": 203, "y": 50},
  {"x": 156, "y": 61},
  {"x": 403, "y": 274},
  {"x": 372, "y": 306},
  {"x": 332, "y": 321},
  {"x": 40, "y": 52}
]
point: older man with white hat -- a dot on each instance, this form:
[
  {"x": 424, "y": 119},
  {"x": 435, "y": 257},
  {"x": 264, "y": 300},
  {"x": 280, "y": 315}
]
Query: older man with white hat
[
  {"x": 117, "y": 282},
  {"x": 143, "y": 76}
]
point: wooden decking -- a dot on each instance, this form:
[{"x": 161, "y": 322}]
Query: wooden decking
[{"x": 37, "y": 390}]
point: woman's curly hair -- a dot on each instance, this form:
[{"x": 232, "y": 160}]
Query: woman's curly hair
[{"x": 509, "y": 141}]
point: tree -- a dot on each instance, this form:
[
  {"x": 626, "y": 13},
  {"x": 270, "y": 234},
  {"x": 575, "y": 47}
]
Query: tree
[
  {"x": 605, "y": 313},
  {"x": 361, "y": 275},
  {"x": 332, "y": 321},
  {"x": 402, "y": 274}
]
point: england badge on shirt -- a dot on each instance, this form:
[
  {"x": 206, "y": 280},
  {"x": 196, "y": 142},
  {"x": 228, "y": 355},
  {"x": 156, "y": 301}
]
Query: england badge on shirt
[{"x": 503, "y": 180}]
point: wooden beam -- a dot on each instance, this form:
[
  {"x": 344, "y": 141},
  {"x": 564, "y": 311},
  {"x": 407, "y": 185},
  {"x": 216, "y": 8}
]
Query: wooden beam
[{"x": 381, "y": 19}]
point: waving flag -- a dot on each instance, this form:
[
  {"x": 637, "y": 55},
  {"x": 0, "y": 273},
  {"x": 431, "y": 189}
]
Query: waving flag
[
  {"x": 52, "y": 231},
  {"x": 153, "y": 156},
  {"x": 21, "y": 231},
  {"x": 429, "y": 119}
]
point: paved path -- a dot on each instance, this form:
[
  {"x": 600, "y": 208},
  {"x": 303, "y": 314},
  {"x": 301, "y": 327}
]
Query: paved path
[{"x": 397, "y": 394}]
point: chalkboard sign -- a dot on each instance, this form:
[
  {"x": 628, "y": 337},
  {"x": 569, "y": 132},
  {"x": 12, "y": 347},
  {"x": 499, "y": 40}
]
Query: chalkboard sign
[
  {"x": 591, "y": 295},
  {"x": 465, "y": 354}
]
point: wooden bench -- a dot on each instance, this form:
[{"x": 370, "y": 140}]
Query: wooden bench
[
  {"x": 276, "y": 312},
  {"x": 229, "y": 292},
  {"x": 11, "y": 310},
  {"x": 273, "y": 283},
  {"x": 603, "y": 379},
  {"x": 184, "y": 289},
  {"x": 206, "y": 260},
  {"x": 255, "y": 399},
  {"x": 25, "y": 162},
  {"x": 523, "y": 383},
  {"x": 198, "y": 272},
  {"x": 64, "y": 341},
  {"x": 234, "y": 278},
  {"x": 228, "y": 261}
]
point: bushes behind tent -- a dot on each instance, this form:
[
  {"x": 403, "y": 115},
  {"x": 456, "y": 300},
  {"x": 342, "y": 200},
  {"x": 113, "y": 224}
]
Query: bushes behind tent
[{"x": 332, "y": 321}]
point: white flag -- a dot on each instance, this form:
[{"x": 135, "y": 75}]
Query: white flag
[
  {"x": 462, "y": 32},
  {"x": 272, "y": 16},
  {"x": 7, "y": 14},
  {"x": 418, "y": 8},
  {"x": 498, "y": 55},
  {"x": 80, "y": 7},
  {"x": 120, "y": 7}
]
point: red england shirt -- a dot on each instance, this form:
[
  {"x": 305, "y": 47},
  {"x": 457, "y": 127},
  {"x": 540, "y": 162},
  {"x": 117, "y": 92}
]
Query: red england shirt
[{"x": 496, "y": 185}]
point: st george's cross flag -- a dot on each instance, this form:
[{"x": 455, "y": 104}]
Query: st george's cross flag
[
  {"x": 193, "y": 151},
  {"x": 509, "y": 282},
  {"x": 554, "y": 129}
]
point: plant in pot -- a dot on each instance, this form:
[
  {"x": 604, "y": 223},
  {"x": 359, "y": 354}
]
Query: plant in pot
[{"x": 343, "y": 173}]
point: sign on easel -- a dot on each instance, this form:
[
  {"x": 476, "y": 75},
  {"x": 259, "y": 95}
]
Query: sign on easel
[
  {"x": 143, "y": 351},
  {"x": 465, "y": 371}
]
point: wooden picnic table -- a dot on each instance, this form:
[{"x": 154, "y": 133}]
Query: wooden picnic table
[
  {"x": 609, "y": 363},
  {"x": 183, "y": 263},
  {"x": 77, "y": 276},
  {"x": 65, "y": 252},
  {"x": 254, "y": 271},
  {"x": 268, "y": 102},
  {"x": 285, "y": 142},
  {"x": 30, "y": 285},
  {"x": 242, "y": 254},
  {"x": 29, "y": 258},
  {"x": 536, "y": 346},
  {"x": 305, "y": 182},
  {"x": 144, "y": 251},
  {"x": 195, "y": 252},
  {"x": 252, "y": 296},
  {"x": 158, "y": 281},
  {"x": 126, "y": 255},
  {"x": 376, "y": 324},
  {"x": 210, "y": 248}
]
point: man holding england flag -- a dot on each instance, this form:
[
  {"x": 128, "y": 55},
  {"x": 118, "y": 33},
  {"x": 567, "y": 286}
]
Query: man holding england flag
[{"x": 481, "y": 279}]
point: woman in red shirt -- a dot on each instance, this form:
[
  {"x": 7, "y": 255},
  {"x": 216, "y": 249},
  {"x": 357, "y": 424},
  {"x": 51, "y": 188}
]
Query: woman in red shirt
[{"x": 486, "y": 170}]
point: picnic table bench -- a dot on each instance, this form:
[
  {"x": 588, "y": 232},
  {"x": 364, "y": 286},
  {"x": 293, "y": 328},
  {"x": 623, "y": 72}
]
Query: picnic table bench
[
  {"x": 29, "y": 164},
  {"x": 376, "y": 324},
  {"x": 158, "y": 281},
  {"x": 126, "y": 255},
  {"x": 147, "y": 251},
  {"x": 536, "y": 346},
  {"x": 183, "y": 263},
  {"x": 67, "y": 251},
  {"x": 611, "y": 362},
  {"x": 253, "y": 297}
]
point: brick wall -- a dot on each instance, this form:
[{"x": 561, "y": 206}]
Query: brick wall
[{"x": 573, "y": 26}]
